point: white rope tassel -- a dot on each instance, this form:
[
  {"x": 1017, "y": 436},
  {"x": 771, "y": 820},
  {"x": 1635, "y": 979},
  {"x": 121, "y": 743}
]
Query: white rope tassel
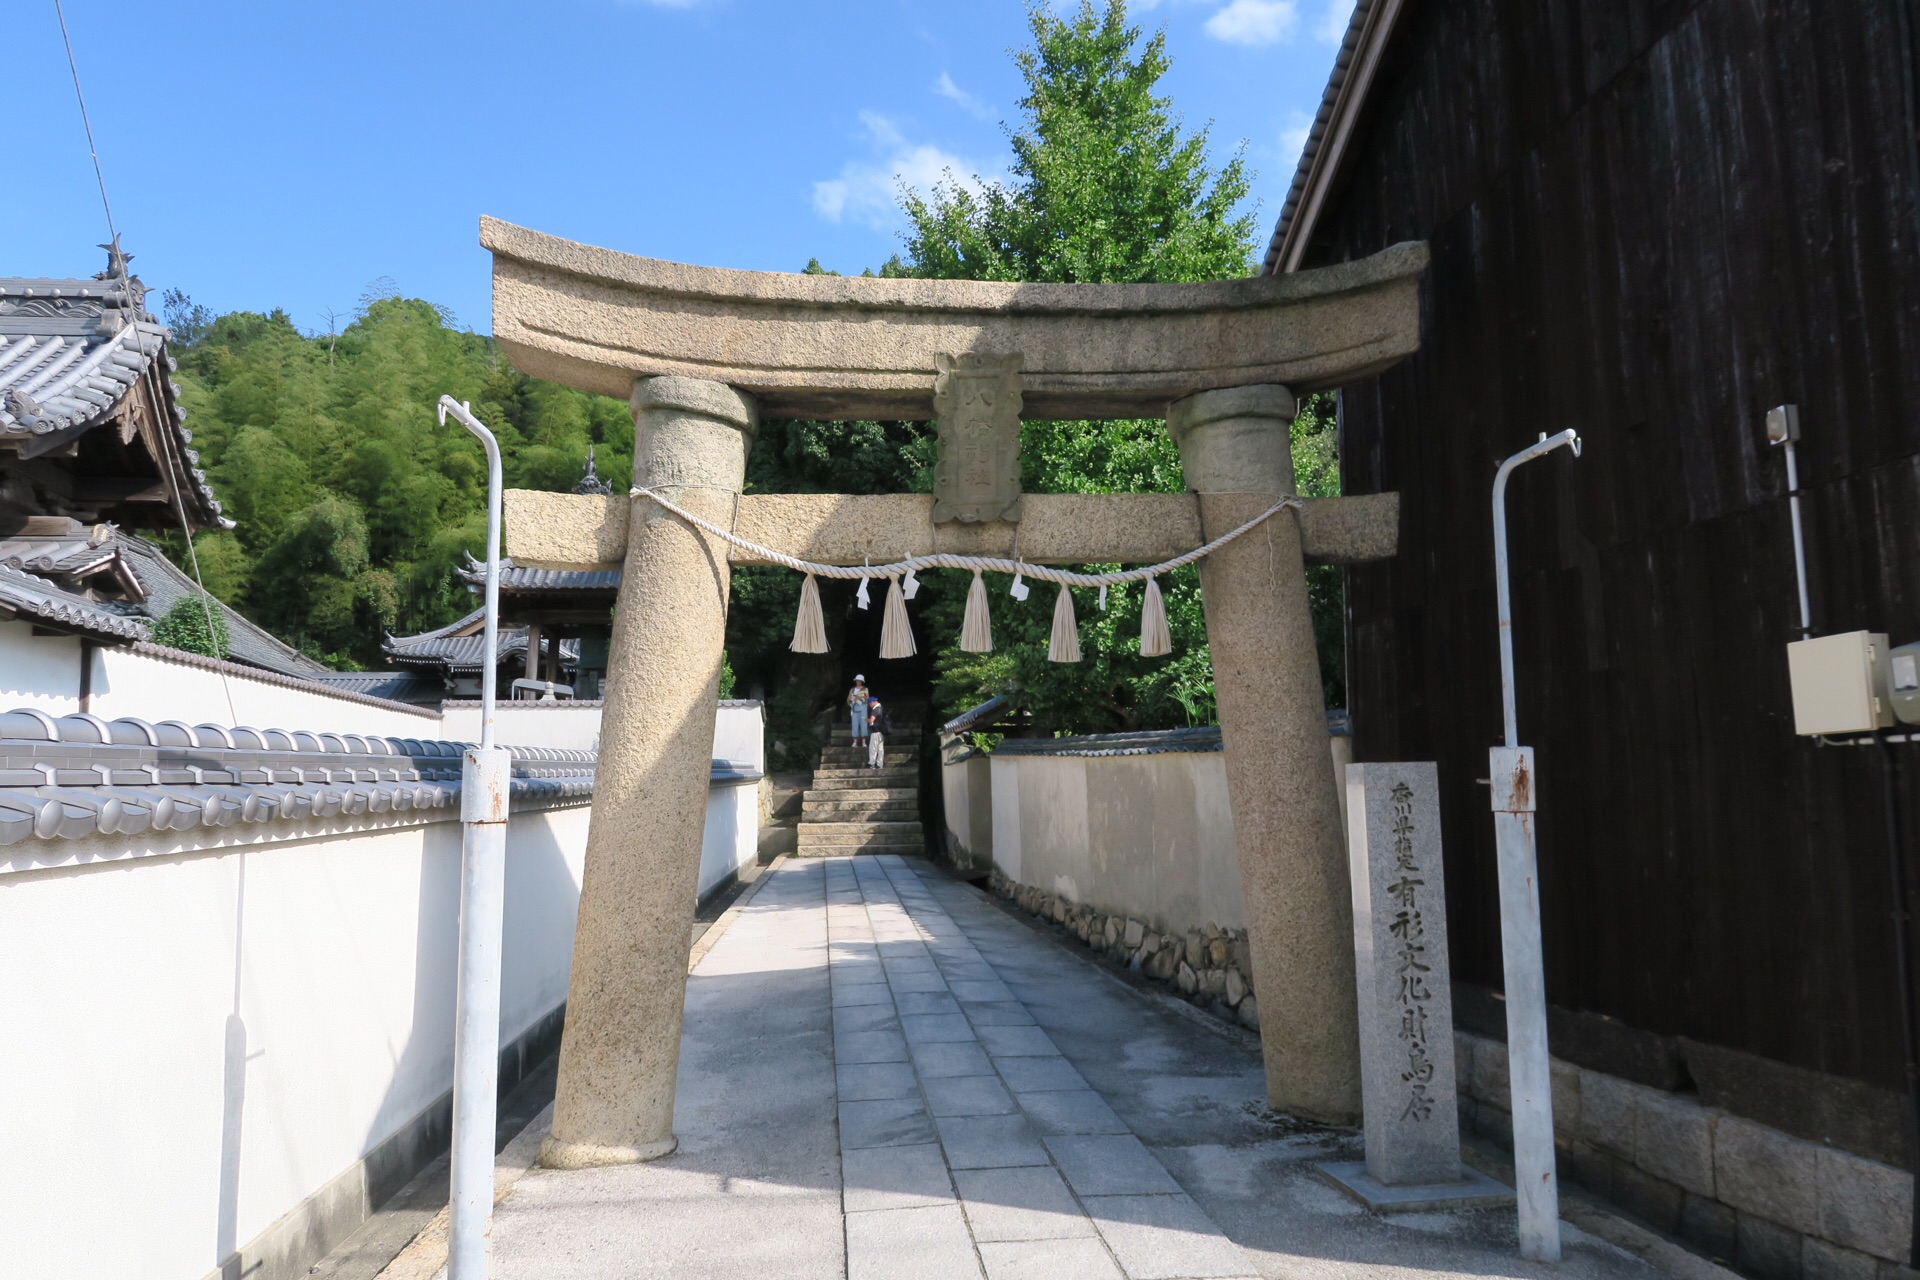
[
  {"x": 810, "y": 626},
  {"x": 1065, "y": 645},
  {"x": 896, "y": 633},
  {"x": 1155, "y": 640},
  {"x": 976, "y": 631}
]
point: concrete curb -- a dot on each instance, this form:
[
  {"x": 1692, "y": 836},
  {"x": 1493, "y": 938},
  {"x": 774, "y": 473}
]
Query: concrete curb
[{"x": 426, "y": 1257}]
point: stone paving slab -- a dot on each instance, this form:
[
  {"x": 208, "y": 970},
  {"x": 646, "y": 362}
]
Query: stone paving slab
[{"x": 886, "y": 1076}]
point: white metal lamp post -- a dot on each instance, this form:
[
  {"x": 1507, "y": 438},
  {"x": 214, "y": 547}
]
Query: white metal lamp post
[
  {"x": 486, "y": 775},
  {"x": 1536, "y": 1183}
]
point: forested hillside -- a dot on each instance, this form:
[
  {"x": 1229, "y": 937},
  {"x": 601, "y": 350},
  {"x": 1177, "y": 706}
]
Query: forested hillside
[{"x": 353, "y": 504}]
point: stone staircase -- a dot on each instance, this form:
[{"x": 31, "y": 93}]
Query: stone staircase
[{"x": 853, "y": 809}]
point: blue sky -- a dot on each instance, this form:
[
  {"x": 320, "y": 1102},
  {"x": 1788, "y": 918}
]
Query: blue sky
[{"x": 262, "y": 154}]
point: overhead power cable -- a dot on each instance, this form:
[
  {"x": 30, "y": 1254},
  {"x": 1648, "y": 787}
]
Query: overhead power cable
[{"x": 156, "y": 401}]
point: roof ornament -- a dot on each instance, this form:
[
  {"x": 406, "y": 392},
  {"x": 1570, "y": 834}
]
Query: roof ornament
[
  {"x": 117, "y": 260},
  {"x": 21, "y": 405},
  {"x": 590, "y": 481},
  {"x": 135, "y": 296}
]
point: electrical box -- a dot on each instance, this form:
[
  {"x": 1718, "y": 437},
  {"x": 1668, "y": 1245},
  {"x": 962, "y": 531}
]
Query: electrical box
[
  {"x": 1840, "y": 683},
  {"x": 1903, "y": 679}
]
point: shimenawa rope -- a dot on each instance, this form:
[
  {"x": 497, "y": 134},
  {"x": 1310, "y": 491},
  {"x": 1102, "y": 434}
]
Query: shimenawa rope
[{"x": 897, "y": 638}]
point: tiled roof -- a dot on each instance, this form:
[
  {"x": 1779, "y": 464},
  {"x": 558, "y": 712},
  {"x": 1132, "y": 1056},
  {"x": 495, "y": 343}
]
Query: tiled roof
[
  {"x": 65, "y": 554},
  {"x": 459, "y": 646},
  {"x": 986, "y": 713},
  {"x": 397, "y": 686},
  {"x": 1146, "y": 742},
  {"x": 514, "y": 577},
  {"x": 1353, "y": 67},
  {"x": 156, "y": 583},
  {"x": 37, "y": 598},
  {"x": 71, "y": 351},
  {"x": 166, "y": 586},
  {"x": 78, "y": 775}
]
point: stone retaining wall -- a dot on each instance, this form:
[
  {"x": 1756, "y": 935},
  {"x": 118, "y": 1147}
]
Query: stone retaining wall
[
  {"x": 1773, "y": 1205},
  {"x": 1206, "y": 966}
]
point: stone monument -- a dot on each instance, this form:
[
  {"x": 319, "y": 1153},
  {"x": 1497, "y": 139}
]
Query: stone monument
[{"x": 1404, "y": 983}]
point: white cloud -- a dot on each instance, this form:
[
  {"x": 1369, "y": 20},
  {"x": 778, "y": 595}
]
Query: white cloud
[
  {"x": 869, "y": 192},
  {"x": 952, "y": 92},
  {"x": 1293, "y": 138},
  {"x": 1254, "y": 22},
  {"x": 1333, "y": 27}
]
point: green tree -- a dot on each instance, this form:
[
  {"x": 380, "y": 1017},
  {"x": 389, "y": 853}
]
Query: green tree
[
  {"x": 353, "y": 505},
  {"x": 192, "y": 626},
  {"x": 1106, "y": 186}
]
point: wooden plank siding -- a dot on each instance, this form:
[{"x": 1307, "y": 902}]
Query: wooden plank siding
[{"x": 1650, "y": 222}]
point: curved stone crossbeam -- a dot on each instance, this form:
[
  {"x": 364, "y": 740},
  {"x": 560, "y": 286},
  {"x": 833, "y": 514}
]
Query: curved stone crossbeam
[{"x": 859, "y": 347}]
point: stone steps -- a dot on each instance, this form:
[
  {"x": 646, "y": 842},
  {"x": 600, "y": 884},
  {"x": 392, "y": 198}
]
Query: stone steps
[
  {"x": 840, "y": 813},
  {"x": 863, "y": 778},
  {"x": 819, "y": 838},
  {"x": 852, "y": 809},
  {"x": 845, "y": 753},
  {"x": 864, "y": 795}
]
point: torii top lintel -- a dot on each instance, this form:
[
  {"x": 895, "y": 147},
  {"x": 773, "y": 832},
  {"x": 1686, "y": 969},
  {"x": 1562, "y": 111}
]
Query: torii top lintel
[{"x": 858, "y": 347}]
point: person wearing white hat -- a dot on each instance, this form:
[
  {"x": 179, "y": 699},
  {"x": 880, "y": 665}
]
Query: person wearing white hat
[{"x": 857, "y": 709}]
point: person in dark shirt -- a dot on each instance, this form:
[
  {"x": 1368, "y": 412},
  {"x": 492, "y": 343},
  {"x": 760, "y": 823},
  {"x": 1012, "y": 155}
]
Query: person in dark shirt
[{"x": 877, "y": 730}]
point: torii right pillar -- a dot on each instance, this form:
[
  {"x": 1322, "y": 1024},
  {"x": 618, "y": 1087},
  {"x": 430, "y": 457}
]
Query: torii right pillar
[{"x": 1235, "y": 454}]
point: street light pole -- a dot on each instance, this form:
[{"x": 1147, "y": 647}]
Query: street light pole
[
  {"x": 486, "y": 775},
  {"x": 1515, "y": 793}
]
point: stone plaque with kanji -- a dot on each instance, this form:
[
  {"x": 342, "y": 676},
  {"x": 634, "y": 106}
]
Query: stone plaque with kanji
[
  {"x": 976, "y": 404},
  {"x": 1405, "y": 989}
]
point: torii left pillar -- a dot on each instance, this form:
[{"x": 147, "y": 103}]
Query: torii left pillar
[{"x": 621, "y": 1051}]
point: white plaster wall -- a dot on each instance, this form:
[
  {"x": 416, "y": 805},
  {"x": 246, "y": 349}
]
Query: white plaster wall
[
  {"x": 198, "y": 1042},
  {"x": 44, "y": 672},
  {"x": 38, "y": 671},
  {"x": 1008, "y": 855},
  {"x": 740, "y": 734},
  {"x": 739, "y": 730},
  {"x": 732, "y": 838},
  {"x": 126, "y": 683},
  {"x": 529, "y": 724},
  {"x": 957, "y": 799},
  {"x": 1143, "y": 836}
]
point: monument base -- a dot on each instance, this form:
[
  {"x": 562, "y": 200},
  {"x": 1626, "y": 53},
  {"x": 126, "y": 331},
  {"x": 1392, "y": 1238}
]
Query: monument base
[{"x": 1475, "y": 1190}]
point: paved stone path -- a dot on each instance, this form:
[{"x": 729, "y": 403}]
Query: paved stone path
[
  {"x": 966, "y": 1138},
  {"x": 884, "y": 1074}
]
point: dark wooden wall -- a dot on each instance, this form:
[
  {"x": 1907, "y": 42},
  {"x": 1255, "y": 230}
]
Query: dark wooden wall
[{"x": 1650, "y": 222}]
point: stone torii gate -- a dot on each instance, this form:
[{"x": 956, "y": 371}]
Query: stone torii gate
[{"x": 704, "y": 353}]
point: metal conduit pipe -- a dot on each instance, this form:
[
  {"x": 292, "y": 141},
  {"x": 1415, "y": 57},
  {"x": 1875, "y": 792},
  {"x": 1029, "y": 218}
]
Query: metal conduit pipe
[
  {"x": 486, "y": 781},
  {"x": 1515, "y": 798}
]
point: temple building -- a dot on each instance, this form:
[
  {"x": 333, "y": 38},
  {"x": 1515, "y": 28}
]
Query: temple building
[
  {"x": 93, "y": 445},
  {"x": 552, "y": 642}
]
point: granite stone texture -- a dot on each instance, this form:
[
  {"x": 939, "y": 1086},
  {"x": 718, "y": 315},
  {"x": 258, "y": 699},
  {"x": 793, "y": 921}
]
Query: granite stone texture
[
  {"x": 620, "y": 1053},
  {"x": 1764, "y": 1172},
  {"x": 584, "y": 531},
  {"x": 1234, "y": 453},
  {"x": 850, "y": 347},
  {"x": 1403, "y": 978}
]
